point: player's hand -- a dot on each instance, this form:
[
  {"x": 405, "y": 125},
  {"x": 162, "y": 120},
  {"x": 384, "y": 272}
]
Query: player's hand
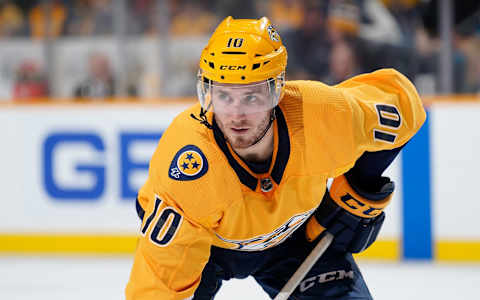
[{"x": 353, "y": 216}]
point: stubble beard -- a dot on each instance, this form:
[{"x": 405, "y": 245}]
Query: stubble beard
[{"x": 245, "y": 141}]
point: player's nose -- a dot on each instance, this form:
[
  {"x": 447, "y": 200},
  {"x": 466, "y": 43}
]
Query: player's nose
[{"x": 236, "y": 109}]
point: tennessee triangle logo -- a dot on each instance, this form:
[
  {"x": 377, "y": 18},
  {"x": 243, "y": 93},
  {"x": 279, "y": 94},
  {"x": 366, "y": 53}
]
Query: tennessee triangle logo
[{"x": 188, "y": 164}]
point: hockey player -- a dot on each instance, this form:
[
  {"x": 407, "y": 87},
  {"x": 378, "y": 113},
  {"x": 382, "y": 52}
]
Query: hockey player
[{"x": 237, "y": 186}]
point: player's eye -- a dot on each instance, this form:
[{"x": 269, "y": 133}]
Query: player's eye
[
  {"x": 250, "y": 99},
  {"x": 224, "y": 97}
]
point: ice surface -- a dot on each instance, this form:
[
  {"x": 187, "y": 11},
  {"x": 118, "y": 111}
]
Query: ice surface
[{"x": 89, "y": 278}]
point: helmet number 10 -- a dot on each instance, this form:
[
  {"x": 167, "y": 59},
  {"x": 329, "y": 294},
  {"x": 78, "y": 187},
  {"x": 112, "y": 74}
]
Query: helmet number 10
[{"x": 236, "y": 43}]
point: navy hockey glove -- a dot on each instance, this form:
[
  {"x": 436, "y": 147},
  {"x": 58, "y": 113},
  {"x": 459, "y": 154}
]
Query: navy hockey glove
[{"x": 353, "y": 216}]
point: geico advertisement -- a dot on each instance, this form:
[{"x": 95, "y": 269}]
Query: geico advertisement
[{"x": 76, "y": 169}]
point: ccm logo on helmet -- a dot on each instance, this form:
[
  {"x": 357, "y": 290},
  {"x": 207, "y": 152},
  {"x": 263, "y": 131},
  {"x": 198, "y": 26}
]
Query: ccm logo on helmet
[{"x": 232, "y": 68}]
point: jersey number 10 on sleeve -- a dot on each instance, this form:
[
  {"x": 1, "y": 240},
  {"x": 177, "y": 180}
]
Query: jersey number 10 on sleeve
[
  {"x": 166, "y": 226},
  {"x": 388, "y": 116}
]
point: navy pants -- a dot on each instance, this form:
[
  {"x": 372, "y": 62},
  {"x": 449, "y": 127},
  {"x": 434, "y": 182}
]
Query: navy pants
[{"x": 334, "y": 276}]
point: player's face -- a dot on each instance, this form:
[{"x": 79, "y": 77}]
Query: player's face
[{"x": 242, "y": 113}]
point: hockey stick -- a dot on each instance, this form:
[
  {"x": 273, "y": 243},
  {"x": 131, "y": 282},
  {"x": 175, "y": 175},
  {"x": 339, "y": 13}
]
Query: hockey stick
[{"x": 307, "y": 264}]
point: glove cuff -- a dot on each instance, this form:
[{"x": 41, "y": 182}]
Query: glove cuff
[{"x": 362, "y": 204}]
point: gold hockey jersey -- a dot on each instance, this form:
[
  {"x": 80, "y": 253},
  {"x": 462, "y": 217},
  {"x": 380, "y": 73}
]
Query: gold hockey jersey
[{"x": 199, "y": 193}]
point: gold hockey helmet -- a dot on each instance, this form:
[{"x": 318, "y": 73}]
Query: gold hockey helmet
[{"x": 243, "y": 53}]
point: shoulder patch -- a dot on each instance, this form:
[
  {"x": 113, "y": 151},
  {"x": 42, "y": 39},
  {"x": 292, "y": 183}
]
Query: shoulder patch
[{"x": 188, "y": 164}]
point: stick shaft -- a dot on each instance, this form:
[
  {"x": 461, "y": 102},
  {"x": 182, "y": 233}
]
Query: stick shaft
[{"x": 307, "y": 264}]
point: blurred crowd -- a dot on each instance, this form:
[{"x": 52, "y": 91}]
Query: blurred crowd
[{"x": 327, "y": 40}]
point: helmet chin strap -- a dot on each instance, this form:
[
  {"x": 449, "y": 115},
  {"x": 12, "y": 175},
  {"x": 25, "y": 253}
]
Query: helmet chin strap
[{"x": 272, "y": 118}]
